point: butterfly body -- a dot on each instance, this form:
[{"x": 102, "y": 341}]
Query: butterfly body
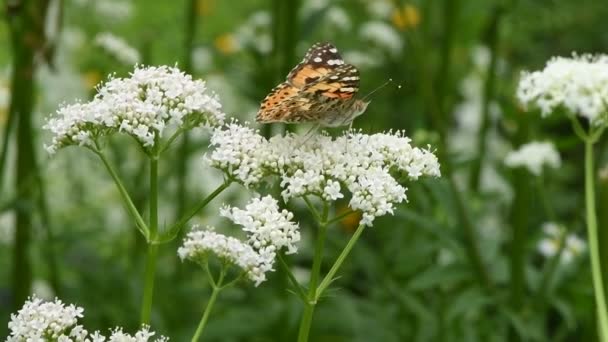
[{"x": 320, "y": 90}]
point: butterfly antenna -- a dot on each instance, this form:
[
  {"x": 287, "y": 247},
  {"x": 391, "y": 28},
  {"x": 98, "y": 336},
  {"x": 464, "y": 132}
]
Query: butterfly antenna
[{"x": 378, "y": 88}]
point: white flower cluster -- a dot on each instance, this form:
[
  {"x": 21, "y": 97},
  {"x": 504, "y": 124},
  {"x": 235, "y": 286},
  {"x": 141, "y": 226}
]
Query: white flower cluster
[
  {"x": 578, "y": 84},
  {"x": 322, "y": 166},
  {"x": 144, "y": 106},
  {"x": 551, "y": 243},
  {"x": 117, "y": 47},
  {"x": 533, "y": 156},
  {"x": 382, "y": 34},
  {"x": 267, "y": 226},
  {"x": 268, "y": 229},
  {"x": 200, "y": 244},
  {"x": 108, "y": 10},
  {"x": 54, "y": 321}
]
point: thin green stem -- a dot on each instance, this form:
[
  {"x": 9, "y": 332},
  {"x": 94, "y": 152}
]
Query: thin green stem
[
  {"x": 26, "y": 23},
  {"x": 131, "y": 208},
  {"x": 150, "y": 271},
  {"x": 298, "y": 288},
  {"x": 172, "y": 138},
  {"x": 172, "y": 232},
  {"x": 492, "y": 39},
  {"x": 217, "y": 287},
  {"x": 312, "y": 209},
  {"x": 340, "y": 217},
  {"x": 592, "y": 232},
  {"x": 519, "y": 224},
  {"x": 309, "y": 304},
  {"x": 329, "y": 277},
  {"x": 544, "y": 288}
]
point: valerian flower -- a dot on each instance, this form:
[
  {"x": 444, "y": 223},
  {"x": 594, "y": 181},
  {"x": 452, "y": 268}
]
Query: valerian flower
[
  {"x": 550, "y": 244},
  {"x": 118, "y": 48},
  {"x": 200, "y": 244},
  {"x": 268, "y": 230},
  {"x": 533, "y": 156},
  {"x": 363, "y": 165},
  {"x": 38, "y": 320},
  {"x": 145, "y": 105},
  {"x": 265, "y": 224},
  {"x": 578, "y": 84}
]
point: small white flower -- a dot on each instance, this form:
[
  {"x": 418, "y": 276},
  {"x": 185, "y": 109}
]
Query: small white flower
[
  {"x": 38, "y": 320},
  {"x": 110, "y": 10},
  {"x": 361, "y": 164},
  {"x": 117, "y": 47},
  {"x": 381, "y": 9},
  {"x": 200, "y": 244},
  {"x": 266, "y": 225},
  {"x": 338, "y": 18},
  {"x": 534, "y": 156},
  {"x": 550, "y": 244},
  {"x": 142, "y": 335},
  {"x": 144, "y": 106},
  {"x": 383, "y": 34},
  {"x": 578, "y": 84},
  {"x": 255, "y": 32},
  {"x": 363, "y": 59}
]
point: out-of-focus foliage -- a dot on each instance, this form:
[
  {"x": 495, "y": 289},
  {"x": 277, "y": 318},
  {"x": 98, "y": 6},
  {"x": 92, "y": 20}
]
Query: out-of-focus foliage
[{"x": 449, "y": 265}]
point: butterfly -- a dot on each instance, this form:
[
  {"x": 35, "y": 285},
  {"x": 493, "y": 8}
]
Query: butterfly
[{"x": 319, "y": 90}]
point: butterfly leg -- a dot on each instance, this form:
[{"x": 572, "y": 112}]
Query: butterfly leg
[{"x": 309, "y": 134}]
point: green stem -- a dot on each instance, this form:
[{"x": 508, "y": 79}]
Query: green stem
[
  {"x": 131, "y": 208},
  {"x": 544, "y": 289},
  {"x": 298, "y": 288},
  {"x": 492, "y": 38},
  {"x": 592, "y": 235},
  {"x": 172, "y": 232},
  {"x": 336, "y": 266},
  {"x": 146, "y": 308},
  {"x": 310, "y": 303},
  {"x": 217, "y": 287},
  {"x": 471, "y": 240},
  {"x": 519, "y": 223},
  {"x": 26, "y": 22},
  {"x": 340, "y": 217},
  {"x": 312, "y": 209}
]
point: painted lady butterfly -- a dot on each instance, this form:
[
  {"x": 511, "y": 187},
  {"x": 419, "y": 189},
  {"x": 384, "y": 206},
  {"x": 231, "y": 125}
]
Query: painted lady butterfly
[{"x": 320, "y": 89}]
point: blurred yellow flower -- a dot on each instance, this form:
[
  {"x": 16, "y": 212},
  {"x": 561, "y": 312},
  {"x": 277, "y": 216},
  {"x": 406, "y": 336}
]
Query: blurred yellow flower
[
  {"x": 406, "y": 17},
  {"x": 603, "y": 174},
  {"x": 225, "y": 43},
  {"x": 5, "y": 93},
  {"x": 204, "y": 7},
  {"x": 350, "y": 222},
  {"x": 91, "y": 78}
]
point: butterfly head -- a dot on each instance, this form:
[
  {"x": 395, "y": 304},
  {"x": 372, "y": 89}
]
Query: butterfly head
[{"x": 359, "y": 107}]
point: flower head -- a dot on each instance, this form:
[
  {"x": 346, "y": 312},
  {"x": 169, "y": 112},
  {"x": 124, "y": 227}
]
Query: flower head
[
  {"x": 144, "y": 105},
  {"x": 38, "y": 320},
  {"x": 266, "y": 225},
  {"x": 199, "y": 245},
  {"x": 268, "y": 229},
  {"x": 554, "y": 237},
  {"x": 533, "y": 156},
  {"x": 578, "y": 84},
  {"x": 117, "y": 47},
  {"x": 364, "y": 165}
]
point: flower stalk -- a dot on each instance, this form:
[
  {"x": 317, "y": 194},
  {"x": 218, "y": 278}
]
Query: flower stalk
[
  {"x": 592, "y": 235},
  {"x": 151, "y": 257},
  {"x": 310, "y": 303},
  {"x": 217, "y": 287}
]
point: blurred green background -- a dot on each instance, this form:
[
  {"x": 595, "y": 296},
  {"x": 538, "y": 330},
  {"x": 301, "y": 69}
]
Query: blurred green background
[{"x": 459, "y": 262}]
